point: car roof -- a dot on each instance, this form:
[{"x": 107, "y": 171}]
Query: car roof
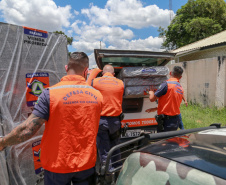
[{"x": 205, "y": 150}]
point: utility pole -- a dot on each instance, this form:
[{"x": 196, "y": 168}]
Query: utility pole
[
  {"x": 170, "y": 10},
  {"x": 100, "y": 44}
]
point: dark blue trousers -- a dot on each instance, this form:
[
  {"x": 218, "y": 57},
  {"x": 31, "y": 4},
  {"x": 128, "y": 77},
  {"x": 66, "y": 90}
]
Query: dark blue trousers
[
  {"x": 108, "y": 127},
  {"x": 85, "y": 177},
  {"x": 181, "y": 125}
]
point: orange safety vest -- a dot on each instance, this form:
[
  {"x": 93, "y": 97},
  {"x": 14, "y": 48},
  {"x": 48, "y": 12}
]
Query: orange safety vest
[
  {"x": 169, "y": 104},
  {"x": 69, "y": 140},
  {"x": 112, "y": 90}
]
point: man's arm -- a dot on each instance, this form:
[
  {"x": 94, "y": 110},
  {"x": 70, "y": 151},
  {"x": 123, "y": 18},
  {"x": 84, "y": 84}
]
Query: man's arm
[
  {"x": 152, "y": 110},
  {"x": 22, "y": 132},
  {"x": 185, "y": 101},
  {"x": 152, "y": 96},
  {"x": 162, "y": 90}
]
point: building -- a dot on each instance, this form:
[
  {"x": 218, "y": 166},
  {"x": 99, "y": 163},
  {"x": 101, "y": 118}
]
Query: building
[
  {"x": 204, "y": 78},
  {"x": 209, "y": 47}
]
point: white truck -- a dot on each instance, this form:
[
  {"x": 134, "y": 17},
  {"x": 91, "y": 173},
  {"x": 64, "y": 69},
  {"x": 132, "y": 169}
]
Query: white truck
[{"x": 143, "y": 71}]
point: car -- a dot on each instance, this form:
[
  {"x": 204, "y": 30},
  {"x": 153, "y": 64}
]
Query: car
[{"x": 193, "y": 156}]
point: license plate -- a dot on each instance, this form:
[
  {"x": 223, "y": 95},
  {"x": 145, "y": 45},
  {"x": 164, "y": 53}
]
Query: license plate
[{"x": 133, "y": 133}]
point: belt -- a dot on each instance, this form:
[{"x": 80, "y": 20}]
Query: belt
[
  {"x": 109, "y": 116},
  {"x": 170, "y": 117},
  {"x": 121, "y": 116}
]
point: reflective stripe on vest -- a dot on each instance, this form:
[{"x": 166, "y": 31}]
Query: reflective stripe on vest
[
  {"x": 71, "y": 86},
  {"x": 178, "y": 84},
  {"x": 171, "y": 82}
]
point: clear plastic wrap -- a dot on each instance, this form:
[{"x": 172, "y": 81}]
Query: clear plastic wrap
[
  {"x": 128, "y": 72},
  {"x": 21, "y": 165},
  {"x": 23, "y": 52},
  {"x": 141, "y": 81},
  {"x": 139, "y": 91},
  {"x": 4, "y": 178}
]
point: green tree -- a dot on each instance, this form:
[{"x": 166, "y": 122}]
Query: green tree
[
  {"x": 69, "y": 39},
  {"x": 196, "y": 20}
]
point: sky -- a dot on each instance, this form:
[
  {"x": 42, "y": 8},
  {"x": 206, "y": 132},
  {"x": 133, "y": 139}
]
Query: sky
[{"x": 95, "y": 24}]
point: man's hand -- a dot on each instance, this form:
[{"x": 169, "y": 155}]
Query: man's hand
[
  {"x": 151, "y": 110},
  {"x": 185, "y": 101},
  {"x": 152, "y": 96},
  {"x": 151, "y": 93}
]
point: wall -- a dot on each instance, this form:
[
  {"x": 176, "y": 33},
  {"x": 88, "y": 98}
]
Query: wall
[
  {"x": 204, "y": 81},
  {"x": 201, "y": 54}
]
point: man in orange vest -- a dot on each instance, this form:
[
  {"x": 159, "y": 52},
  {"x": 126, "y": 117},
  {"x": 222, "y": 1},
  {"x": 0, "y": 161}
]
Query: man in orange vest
[
  {"x": 169, "y": 97},
  {"x": 71, "y": 111},
  {"x": 112, "y": 90}
]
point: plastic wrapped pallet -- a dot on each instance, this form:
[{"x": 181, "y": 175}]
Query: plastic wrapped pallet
[
  {"x": 137, "y": 91},
  {"x": 127, "y": 72},
  {"x": 144, "y": 81},
  {"x": 140, "y": 80},
  {"x": 30, "y": 60}
]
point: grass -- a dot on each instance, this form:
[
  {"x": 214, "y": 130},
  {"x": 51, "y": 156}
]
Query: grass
[{"x": 195, "y": 116}]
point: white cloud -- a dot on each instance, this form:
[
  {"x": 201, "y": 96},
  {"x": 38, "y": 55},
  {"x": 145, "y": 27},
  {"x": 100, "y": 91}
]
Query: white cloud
[
  {"x": 128, "y": 12},
  {"x": 92, "y": 62},
  {"x": 104, "y": 33},
  {"x": 69, "y": 33},
  {"x": 105, "y": 25},
  {"x": 75, "y": 26},
  {"x": 87, "y": 47},
  {"x": 148, "y": 44},
  {"x": 89, "y": 36},
  {"x": 40, "y": 14},
  {"x": 76, "y": 12}
]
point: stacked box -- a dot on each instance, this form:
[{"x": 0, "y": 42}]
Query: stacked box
[
  {"x": 139, "y": 81},
  {"x": 30, "y": 60}
]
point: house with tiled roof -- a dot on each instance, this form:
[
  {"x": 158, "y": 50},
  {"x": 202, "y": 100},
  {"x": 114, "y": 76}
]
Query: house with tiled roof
[
  {"x": 204, "y": 77},
  {"x": 209, "y": 47}
]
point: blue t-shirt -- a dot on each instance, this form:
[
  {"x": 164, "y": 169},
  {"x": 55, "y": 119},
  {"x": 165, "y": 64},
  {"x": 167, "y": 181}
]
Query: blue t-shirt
[
  {"x": 41, "y": 108},
  {"x": 162, "y": 90}
]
